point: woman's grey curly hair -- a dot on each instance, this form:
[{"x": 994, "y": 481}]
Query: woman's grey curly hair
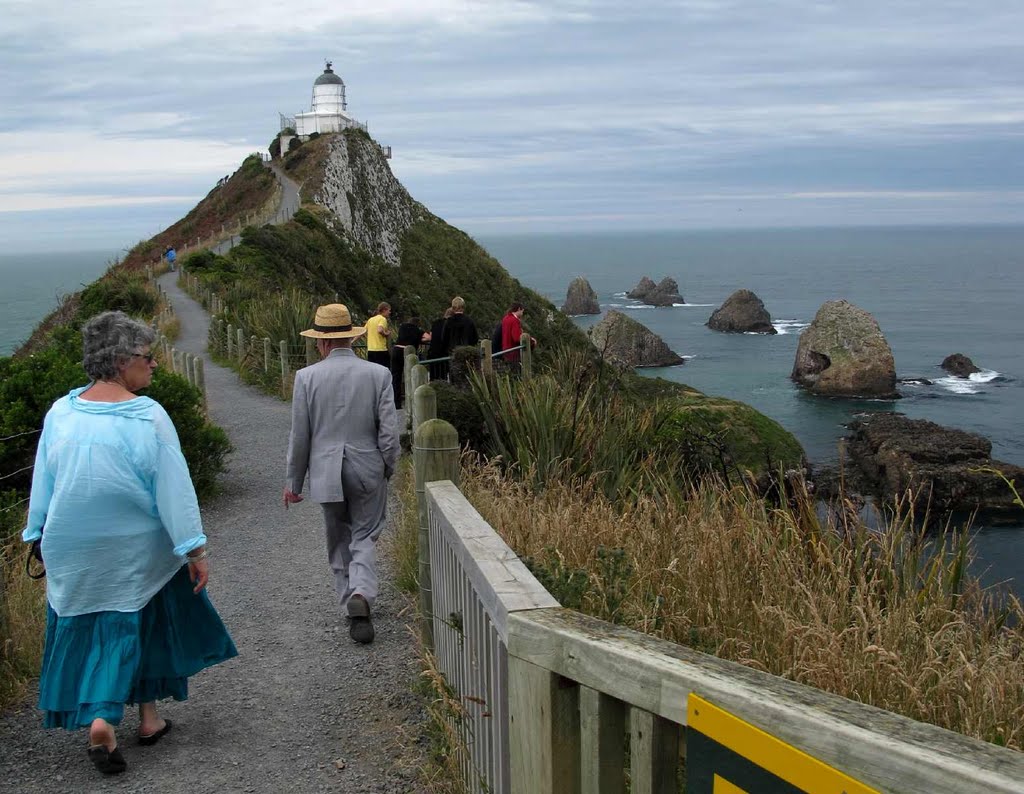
[{"x": 109, "y": 340}]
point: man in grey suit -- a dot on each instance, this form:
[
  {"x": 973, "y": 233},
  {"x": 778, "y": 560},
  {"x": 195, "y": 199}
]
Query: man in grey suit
[{"x": 345, "y": 436}]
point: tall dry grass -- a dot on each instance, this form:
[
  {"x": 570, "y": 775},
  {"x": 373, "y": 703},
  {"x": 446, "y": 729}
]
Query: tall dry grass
[
  {"x": 22, "y": 623},
  {"x": 887, "y": 618}
]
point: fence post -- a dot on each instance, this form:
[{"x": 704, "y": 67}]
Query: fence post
[
  {"x": 527, "y": 356},
  {"x": 241, "y": 345},
  {"x": 230, "y": 338},
  {"x": 266, "y": 354},
  {"x": 420, "y": 376},
  {"x": 187, "y": 359},
  {"x": 435, "y": 451},
  {"x": 310, "y": 351},
  {"x": 486, "y": 362},
  {"x": 411, "y": 362},
  {"x": 282, "y": 346},
  {"x": 200, "y": 377}
]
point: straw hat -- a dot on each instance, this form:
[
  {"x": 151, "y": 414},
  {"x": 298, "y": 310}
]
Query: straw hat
[{"x": 333, "y": 321}]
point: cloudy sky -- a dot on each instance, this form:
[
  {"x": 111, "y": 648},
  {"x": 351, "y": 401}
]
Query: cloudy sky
[{"x": 521, "y": 116}]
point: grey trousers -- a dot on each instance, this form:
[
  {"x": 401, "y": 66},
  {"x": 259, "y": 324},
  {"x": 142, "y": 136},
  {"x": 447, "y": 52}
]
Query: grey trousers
[{"x": 353, "y": 527}]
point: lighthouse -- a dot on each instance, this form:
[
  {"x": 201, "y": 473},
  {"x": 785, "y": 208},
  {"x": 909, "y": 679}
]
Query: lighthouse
[
  {"x": 327, "y": 114},
  {"x": 328, "y": 109}
]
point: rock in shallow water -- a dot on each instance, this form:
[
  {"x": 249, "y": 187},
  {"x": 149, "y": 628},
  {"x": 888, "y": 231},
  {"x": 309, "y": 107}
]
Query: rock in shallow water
[
  {"x": 623, "y": 341},
  {"x": 842, "y": 353},
  {"x": 742, "y": 312},
  {"x": 581, "y": 298}
]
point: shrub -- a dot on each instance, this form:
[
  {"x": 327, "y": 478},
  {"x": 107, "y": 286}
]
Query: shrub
[
  {"x": 121, "y": 290},
  {"x": 461, "y": 408},
  {"x": 204, "y": 445}
]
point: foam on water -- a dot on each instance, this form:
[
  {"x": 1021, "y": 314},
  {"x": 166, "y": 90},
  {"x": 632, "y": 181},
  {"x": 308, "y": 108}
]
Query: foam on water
[
  {"x": 969, "y": 385},
  {"x": 789, "y": 326}
]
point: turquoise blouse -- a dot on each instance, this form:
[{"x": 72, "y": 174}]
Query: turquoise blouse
[{"x": 113, "y": 493}]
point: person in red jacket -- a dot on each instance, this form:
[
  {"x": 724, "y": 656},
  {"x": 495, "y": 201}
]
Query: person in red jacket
[{"x": 512, "y": 331}]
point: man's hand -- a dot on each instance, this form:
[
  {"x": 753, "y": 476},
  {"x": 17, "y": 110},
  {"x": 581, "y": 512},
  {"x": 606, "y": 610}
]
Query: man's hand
[{"x": 291, "y": 498}]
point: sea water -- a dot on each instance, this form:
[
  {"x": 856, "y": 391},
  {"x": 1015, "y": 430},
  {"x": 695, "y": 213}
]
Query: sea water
[
  {"x": 934, "y": 291},
  {"x": 31, "y": 286}
]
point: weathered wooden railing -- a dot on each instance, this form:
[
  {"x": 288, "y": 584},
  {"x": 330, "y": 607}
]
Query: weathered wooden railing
[{"x": 557, "y": 702}]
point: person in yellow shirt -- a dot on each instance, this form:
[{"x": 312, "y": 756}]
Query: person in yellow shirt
[{"x": 377, "y": 333}]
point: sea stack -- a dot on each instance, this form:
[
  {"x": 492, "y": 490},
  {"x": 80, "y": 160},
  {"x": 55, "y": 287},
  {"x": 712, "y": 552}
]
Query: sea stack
[
  {"x": 844, "y": 354},
  {"x": 665, "y": 293},
  {"x": 624, "y": 342},
  {"x": 581, "y": 298},
  {"x": 959, "y": 365},
  {"x": 743, "y": 312}
]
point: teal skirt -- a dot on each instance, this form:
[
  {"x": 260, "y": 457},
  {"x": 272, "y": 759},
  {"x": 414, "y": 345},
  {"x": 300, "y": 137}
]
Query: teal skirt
[{"x": 96, "y": 663}]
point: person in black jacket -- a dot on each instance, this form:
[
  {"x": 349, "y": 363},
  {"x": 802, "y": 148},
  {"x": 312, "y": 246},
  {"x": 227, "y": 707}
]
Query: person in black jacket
[
  {"x": 460, "y": 330},
  {"x": 439, "y": 369},
  {"x": 410, "y": 336}
]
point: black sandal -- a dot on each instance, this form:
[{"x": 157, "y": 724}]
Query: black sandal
[
  {"x": 153, "y": 738},
  {"x": 109, "y": 762}
]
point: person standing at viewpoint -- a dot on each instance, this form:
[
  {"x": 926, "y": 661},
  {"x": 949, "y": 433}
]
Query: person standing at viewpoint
[
  {"x": 459, "y": 330},
  {"x": 377, "y": 333},
  {"x": 345, "y": 437}
]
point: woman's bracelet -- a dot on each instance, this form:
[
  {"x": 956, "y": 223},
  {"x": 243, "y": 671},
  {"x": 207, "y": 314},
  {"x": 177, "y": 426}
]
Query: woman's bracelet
[{"x": 200, "y": 556}]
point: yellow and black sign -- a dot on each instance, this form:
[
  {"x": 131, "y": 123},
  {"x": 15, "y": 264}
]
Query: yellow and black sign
[{"x": 725, "y": 755}]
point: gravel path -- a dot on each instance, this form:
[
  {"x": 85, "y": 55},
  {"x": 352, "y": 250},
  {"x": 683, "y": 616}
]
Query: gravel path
[{"x": 303, "y": 708}]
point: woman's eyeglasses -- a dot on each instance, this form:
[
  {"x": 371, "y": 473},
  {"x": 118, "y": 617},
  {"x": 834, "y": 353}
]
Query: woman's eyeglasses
[{"x": 148, "y": 356}]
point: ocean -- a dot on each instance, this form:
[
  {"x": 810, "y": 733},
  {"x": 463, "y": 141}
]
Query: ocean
[
  {"x": 934, "y": 291},
  {"x": 33, "y": 283}
]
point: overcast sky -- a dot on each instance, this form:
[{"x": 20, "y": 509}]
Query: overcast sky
[{"x": 523, "y": 116}]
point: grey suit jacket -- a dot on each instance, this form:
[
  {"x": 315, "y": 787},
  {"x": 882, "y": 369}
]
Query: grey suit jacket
[{"x": 343, "y": 414}]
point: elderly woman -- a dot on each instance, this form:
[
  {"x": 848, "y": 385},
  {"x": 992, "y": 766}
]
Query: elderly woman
[{"x": 128, "y": 618}]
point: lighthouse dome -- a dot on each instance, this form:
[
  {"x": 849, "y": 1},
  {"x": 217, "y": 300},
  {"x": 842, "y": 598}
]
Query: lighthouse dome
[{"x": 328, "y": 77}]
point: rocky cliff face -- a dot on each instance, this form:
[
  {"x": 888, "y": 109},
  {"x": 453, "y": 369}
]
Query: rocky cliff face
[{"x": 369, "y": 203}]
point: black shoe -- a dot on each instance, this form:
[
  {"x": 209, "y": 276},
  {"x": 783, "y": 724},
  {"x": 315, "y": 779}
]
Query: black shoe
[
  {"x": 109, "y": 762},
  {"x": 361, "y": 627}
]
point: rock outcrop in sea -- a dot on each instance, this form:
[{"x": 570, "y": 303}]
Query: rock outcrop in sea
[
  {"x": 941, "y": 466},
  {"x": 843, "y": 353},
  {"x": 742, "y": 312},
  {"x": 959, "y": 365},
  {"x": 665, "y": 293},
  {"x": 581, "y": 298},
  {"x": 626, "y": 343}
]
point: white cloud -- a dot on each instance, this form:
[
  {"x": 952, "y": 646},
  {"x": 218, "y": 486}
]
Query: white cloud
[{"x": 34, "y": 202}]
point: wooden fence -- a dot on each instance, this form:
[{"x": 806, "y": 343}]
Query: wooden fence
[{"x": 557, "y": 702}]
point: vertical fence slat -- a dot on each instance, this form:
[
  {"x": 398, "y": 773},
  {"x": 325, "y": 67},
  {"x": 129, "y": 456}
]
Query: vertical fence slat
[
  {"x": 654, "y": 753},
  {"x": 602, "y": 742},
  {"x": 545, "y": 731}
]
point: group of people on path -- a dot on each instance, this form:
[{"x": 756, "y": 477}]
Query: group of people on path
[
  {"x": 453, "y": 329},
  {"x": 114, "y": 518}
]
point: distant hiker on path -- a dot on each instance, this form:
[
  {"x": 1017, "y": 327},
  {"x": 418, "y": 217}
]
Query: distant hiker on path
[
  {"x": 171, "y": 256},
  {"x": 345, "y": 435},
  {"x": 114, "y": 516},
  {"x": 377, "y": 333},
  {"x": 512, "y": 332}
]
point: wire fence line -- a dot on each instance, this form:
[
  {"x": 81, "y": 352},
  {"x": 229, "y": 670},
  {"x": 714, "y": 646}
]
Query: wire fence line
[
  {"x": 19, "y": 434},
  {"x": 274, "y": 362}
]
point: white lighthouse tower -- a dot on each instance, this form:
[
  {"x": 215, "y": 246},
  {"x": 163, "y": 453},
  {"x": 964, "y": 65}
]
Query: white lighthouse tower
[
  {"x": 329, "y": 106},
  {"x": 328, "y": 114}
]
